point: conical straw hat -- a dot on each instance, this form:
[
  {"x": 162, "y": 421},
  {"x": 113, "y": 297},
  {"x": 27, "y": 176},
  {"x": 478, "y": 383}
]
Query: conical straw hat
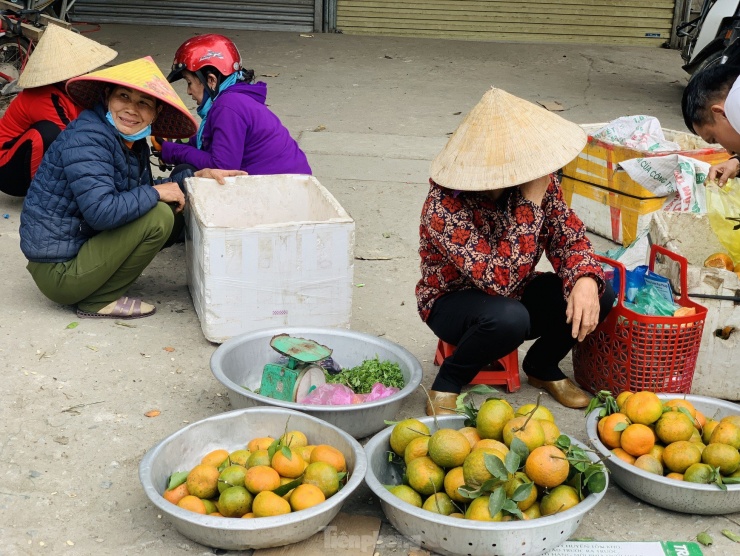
[
  {"x": 174, "y": 121},
  {"x": 505, "y": 141},
  {"x": 60, "y": 55}
]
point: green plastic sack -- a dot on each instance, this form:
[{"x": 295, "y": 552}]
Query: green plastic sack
[
  {"x": 723, "y": 209},
  {"x": 649, "y": 301}
]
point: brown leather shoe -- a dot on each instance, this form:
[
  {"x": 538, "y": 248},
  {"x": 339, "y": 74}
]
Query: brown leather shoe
[
  {"x": 564, "y": 391},
  {"x": 444, "y": 403}
]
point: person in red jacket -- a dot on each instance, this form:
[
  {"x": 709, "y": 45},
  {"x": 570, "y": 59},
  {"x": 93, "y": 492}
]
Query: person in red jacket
[
  {"x": 43, "y": 109},
  {"x": 494, "y": 208}
]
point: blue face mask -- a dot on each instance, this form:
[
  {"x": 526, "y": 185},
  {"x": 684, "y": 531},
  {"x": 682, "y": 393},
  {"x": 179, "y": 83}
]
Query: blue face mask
[
  {"x": 205, "y": 107},
  {"x": 147, "y": 131}
]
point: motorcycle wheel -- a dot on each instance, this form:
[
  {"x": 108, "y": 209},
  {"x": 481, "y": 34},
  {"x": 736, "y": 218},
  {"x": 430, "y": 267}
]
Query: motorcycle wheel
[
  {"x": 713, "y": 60},
  {"x": 14, "y": 52}
]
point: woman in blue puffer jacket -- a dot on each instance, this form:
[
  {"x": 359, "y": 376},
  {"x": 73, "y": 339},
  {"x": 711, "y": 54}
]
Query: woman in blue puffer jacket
[{"x": 94, "y": 218}]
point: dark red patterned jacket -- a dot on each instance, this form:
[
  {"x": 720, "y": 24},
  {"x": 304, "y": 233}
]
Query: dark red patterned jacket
[{"x": 469, "y": 241}]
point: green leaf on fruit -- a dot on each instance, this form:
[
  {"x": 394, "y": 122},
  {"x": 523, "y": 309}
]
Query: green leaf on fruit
[
  {"x": 512, "y": 461},
  {"x": 176, "y": 479},
  {"x": 282, "y": 490},
  {"x": 496, "y": 501},
  {"x": 495, "y": 467},
  {"x": 518, "y": 446},
  {"x": 522, "y": 492}
]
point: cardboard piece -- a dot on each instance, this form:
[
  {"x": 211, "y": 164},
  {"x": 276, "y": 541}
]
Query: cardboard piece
[
  {"x": 551, "y": 105},
  {"x": 346, "y": 535}
]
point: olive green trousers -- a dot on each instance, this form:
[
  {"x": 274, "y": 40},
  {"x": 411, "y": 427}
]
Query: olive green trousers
[{"x": 108, "y": 263}]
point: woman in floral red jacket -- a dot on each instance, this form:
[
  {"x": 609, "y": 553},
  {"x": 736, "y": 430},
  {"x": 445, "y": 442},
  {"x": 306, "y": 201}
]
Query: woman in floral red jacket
[{"x": 494, "y": 207}]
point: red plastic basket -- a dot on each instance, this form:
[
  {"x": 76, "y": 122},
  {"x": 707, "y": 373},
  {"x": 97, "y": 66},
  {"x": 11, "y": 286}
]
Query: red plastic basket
[{"x": 630, "y": 351}]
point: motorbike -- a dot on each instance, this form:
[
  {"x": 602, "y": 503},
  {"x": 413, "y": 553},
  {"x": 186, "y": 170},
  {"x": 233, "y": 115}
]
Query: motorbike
[{"x": 712, "y": 37}]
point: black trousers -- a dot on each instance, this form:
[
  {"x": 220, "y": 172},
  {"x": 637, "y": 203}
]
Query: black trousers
[
  {"x": 21, "y": 157},
  {"x": 485, "y": 328}
]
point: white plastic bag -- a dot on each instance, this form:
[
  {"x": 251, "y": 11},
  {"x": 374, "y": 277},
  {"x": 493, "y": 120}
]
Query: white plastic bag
[{"x": 637, "y": 132}]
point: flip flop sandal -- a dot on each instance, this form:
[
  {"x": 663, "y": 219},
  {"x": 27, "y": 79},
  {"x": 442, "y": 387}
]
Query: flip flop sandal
[{"x": 126, "y": 308}]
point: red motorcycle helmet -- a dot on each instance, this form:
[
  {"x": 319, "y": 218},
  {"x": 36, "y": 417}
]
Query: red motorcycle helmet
[{"x": 206, "y": 50}]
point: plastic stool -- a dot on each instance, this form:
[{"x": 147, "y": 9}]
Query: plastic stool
[{"x": 504, "y": 371}]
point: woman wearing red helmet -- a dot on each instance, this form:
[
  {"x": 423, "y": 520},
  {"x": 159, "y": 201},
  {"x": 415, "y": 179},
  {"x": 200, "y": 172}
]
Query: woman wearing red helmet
[{"x": 237, "y": 130}]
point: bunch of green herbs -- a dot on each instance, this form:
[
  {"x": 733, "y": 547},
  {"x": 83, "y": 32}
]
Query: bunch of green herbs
[{"x": 362, "y": 377}]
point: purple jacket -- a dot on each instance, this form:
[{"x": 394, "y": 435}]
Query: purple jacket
[{"x": 242, "y": 133}]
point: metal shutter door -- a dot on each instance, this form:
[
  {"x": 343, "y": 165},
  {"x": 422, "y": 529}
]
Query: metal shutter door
[
  {"x": 268, "y": 15},
  {"x": 623, "y": 22}
]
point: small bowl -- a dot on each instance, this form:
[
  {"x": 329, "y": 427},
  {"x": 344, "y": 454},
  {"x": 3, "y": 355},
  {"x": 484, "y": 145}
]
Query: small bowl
[
  {"x": 239, "y": 362},
  {"x": 232, "y": 430},
  {"x": 678, "y": 496},
  {"x": 452, "y": 536}
]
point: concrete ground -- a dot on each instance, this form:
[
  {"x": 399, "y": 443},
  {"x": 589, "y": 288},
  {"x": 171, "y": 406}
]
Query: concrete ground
[{"x": 370, "y": 112}]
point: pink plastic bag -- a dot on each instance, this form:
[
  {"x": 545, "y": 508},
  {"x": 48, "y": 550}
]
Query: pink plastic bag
[{"x": 339, "y": 394}]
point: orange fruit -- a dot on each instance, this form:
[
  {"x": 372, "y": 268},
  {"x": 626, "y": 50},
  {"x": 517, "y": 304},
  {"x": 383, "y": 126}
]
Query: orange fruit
[
  {"x": 637, "y": 439},
  {"x": 559, "y": 499},
  {"x": 233, "y": 475},
  {"x": 260, "y": 478},
  {"x": 217, "y": 514},
  {"x": 657, "y": 452},
  {"x": 734, "y": 419},
  {"x": 538, "y": 412},
  {"x": 699, "y": 473},
  {"x": 267, "y": 504},
  {"x": 305, "y": 452},
  {"x": 471, "y": 433},
  {"x": 533, "y": 512},
  {"x": 547, "y": 466},
  {"x": 407, "y": 494},
  {"x": 448, "y": 448},
  {"x": 492, "y": 416},
  {"x": 258, "y": 457},
  {"x": 262, "y": 443},
  {"x": 324, "y": 476},
  {"x": 531, "y": 434},
  {"x": 425, "y": 476},
  {"x": 332, "y": 456},
  {"x": 624, "y": 456},
  {"x": 176, "y": 494},
  {"x": 474, "y": 466},
  {"x": 674, "y": 426},
  {"x": 677, "y": 403},
  {"x": 417, "y": 448},
  {"x": 493, "y": 444},
  {"x": 239, "y": 457},
  {"x": 722, "y": 456},
  {"x": 621, "y": 398},
  {"x": 404, "y": 432},
  {"x": 708, "y": 429},
  {"x": 306, "y": 496},
  {"x": 678, "y": 456},
  {"x": 193, "y": 504},
  {"x": 726, "y": 433},
  {"x": 246, "y": 516},
  {"x": 202, "y": 481},
  {"x": 439, "y": 503},
  {"x": 294, "y": 439},
  {"x": 453, "y": 480},
  {"x": 290, "y": 467},
  {"x": 643, "y": 408},
  {"x": 551, "y": 430},
  {"x": 609, "y": 433},
  {"x": 210, "y": 506},
  {"x": 719, "y": 260},
  {"x": 514, "y": 483},
  {"x": 675, "y": 476},
  {"x": 650, "y": 464},
  {"x": 215, "y": 458},
  {"x": 235, "y": 502},
  {"x": 478, "y": 510}
]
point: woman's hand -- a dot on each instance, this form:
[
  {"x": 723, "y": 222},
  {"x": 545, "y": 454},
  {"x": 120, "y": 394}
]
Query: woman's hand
[
  {"x": 218, "y": 175},
  {"x": 583, "y": 307},
  {"x": 169, "y": 193},
  {"x": 723, "y": 171}
]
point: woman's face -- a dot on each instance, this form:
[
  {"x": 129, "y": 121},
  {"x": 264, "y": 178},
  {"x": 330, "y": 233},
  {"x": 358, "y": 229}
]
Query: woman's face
[
  {"x": 132, "y": 110},
  {"x": 195, "y": 86}
]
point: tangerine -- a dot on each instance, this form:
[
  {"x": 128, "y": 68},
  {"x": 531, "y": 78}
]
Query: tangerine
[
  {"x": 674, "y": 426},
  {"x": 262, "y": 443},
  {"x": 193, "y": 504},
  {"x": 453, "y": 480},
  {"x": 610, "y": 433},
  {"x": 643, "y": 408},
  {"x": 407, "y": 494},
  {"x": 324, "y": 476},
  {"x": 547, "y": 466},
  {"x": 260, "y": 478},
  {"x": 679, "y": 456},
  {"x": 290, "y": 467},
  {"x": 425, "y": 476},
  {"x": 551, "y": 430},
  {"x": 637, "y": 439},
  {"x": 417, "y": 448},
  {"x": 215, "y": 458},
  {"x": 448, "y": 448},
  {"x": 332, "y": 456},
  {"x": 492, "y": 416},
  {"x": 650, "y": 464},
  {"x": 267, "y": 504},
  {"x": 294, "y": 439},
  {"x": 176, "y": 494},
  {"x": 202, "y": 481},
  {"x": 559, "y": 499},
  {"x": 235, "y": 502},
  {"x": 306, "y": 496},
  {"x": 525, "y": 429},
  {"x": 404, "y": 432}
]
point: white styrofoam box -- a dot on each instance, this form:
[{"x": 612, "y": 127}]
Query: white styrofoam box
[
  {"x": 267, "y": 251},
  {"x": 690, "y": 236}
]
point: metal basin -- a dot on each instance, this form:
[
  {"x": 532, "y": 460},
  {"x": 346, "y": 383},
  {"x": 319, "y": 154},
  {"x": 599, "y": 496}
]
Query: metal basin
[
  {"x": 452, "y": 536},
  {"x": 238, "y": 362},
  {"x": 679, "y": 496},
  {"x": 232, "y": 430}
]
